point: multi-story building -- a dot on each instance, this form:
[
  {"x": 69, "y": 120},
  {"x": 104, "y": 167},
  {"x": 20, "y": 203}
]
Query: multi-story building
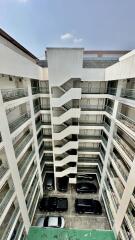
[{"x": 73, "y": 113}]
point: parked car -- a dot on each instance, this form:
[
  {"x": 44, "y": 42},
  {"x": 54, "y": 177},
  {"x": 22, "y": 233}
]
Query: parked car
[
  {"x": 86, "y": 187},
  {"x": 52, "y": 204},
  {"x": 62, "y": 184},
  {"x": 49, "y": 181},
  {"x": 51, "y": 221},
  {"x": 86, "y": 178},
  {"x": 88, "y": 206}
]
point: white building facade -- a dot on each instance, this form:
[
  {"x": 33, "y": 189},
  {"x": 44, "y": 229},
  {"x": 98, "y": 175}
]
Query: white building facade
[{"x": 73, "y": 113}]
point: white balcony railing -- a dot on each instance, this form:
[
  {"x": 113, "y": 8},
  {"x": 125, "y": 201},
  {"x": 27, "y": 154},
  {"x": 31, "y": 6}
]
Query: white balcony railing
[
  {"x": 125, "y": 147},
  {"x": 26, "y": 162}
]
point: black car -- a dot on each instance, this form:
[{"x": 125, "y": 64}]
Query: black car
[
  {"x": 86, "y": 187},
  {"x": 49, "y": 181},
  {"x": 86, "y": 178},
  {"x": 62, "y": 184},
  {"x": 88, "y": 206},
  {"x": 52, "y": 204}
]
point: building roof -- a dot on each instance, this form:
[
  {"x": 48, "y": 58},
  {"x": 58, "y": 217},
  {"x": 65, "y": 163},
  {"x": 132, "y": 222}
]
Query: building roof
[
  {"x": 17, "y": 44},
  {"x": 101, "y": 52}
]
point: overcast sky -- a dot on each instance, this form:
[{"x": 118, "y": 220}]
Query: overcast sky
[{"x": 92, "y": 24}]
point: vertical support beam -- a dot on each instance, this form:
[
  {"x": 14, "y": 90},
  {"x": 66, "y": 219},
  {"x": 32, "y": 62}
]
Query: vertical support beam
[
  {"x": 35, "y": 134},
  {"x": 110, "y": 137},
  {"x": 12, "y": 162},
  {"x": 125, "y": 198}
]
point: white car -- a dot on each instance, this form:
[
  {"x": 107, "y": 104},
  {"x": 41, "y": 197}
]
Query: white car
[{"x": 51, "y": 221}]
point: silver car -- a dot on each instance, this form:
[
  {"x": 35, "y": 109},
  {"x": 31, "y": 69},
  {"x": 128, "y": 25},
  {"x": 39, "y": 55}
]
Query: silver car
[{"x": 51, "y": 221}]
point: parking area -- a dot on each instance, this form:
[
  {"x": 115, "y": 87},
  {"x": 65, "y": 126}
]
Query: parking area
[{"x": 74, "y": 220}]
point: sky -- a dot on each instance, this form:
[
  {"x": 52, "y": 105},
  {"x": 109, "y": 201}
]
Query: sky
[{"x": 92, "y": 24}]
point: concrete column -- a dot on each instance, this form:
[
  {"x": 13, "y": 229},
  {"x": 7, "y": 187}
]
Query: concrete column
[
  {"x": 125, "y": 198},
  {"x": 35, "y": 135},
  {"x": 7, "y": 141},
  {"x": 110, "y": 137}
]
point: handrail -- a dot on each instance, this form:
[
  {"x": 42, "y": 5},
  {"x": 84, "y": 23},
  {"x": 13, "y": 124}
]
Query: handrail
[
  {"x": 23, "y": 143},
  {"x": 5, "y": 200},
  {"x": 15, "y": 93},
  {"x": 19, "y": 121}
]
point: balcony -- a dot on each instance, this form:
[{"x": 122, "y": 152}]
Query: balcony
[
  {"x": 11, "y": 221},
  {"x": 44, "y": 107},
  {"x": 94, "y": 91},
  {"x": 22, "y": 143},
  {"x": 124, "y": 145},
  {"x": 112, "y": 194},
  {"x": 130, "y": 123},
  {"x": 44, "y": 90},
  {"x": 3, "y": 170},
  {"x": 6, "y": 200},
  {"x": 108, "y": 109},
  {"x": 108, "y": 208},
  {"x": 112, "y": 91},
  {"x": 35, "y": 90},
  {"x": 32, "y": 190},
  {"x": 131, "y": 216},
  {"x": 36, "y": 108},
  {"x": 12, "y": 94},
  {"x": 38, "y": 124},
  {"x": 34, "y": 204},
  {"x": 39, "y": 139},
  {"x": 119, "y": 162},
  {"x": 18, "y": 232},
  {"x": 118, "y": 185},
  {"x": 126, "y": 231},
  {"x": 24, "y": 163},
  {"x": 128, "y": 93},
  {"x": 18, "y": 122},
  {"x": 27, "y": 181}
]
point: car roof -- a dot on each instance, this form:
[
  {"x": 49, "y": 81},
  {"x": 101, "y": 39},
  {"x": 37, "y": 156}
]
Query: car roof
[{"x": 53, "y": 221}]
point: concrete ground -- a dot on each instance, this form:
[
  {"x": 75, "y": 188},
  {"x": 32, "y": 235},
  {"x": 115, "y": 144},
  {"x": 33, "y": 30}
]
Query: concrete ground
[{"x": 74, "y": 220}]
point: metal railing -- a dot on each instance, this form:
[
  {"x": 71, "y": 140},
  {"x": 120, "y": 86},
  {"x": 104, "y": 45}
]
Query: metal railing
[
  {"x": 108, "y": 207},
  {"x": 32, "y": 210},
  {"x": 18, "y": 122},
  {"x": 3, "y": 170},
  {"x": 94, "y": 91},
  {"x": 38, "y": 124},
  {"x": 40, "y": 139},
  {"x": 36, "y": 108},
  {"x": 116, "y": 183},
  {"x": 112, "y": 91},
  {"x": 5, "y": 200},
  {"x": 125, "y": 147},
  {"x": 104, "y": 141},
  {"x": 35, "y": 90},
  {"x": 127, "y": 121},
  {"x": 31, "y": 192},
  {"x": 22, "y": 144},
  {"x": 26, "y": 184},
  {"x": 19, "y": 229},
  {"x": 44, "y": 90},
  {"x": 12, "y": 94},
  {"x": 108, "y": 109},
  {"x": 123, "y": 172},
  {"x": 106, "y": 125},
  {"x": 10, "y": 224},
  {"x": 26, "y": 163},
  {"x": 44, "y": 107},
  {"x": 128, "y": 93},
  {"x": 92, "y": 107},
  {"x": 112, "y": 194},
  {"x": 131, "y": 218}
]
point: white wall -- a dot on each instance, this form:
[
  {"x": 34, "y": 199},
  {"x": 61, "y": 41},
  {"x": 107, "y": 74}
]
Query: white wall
[
  {"x": 121, "y": 70},
  {"x": 12, "y": 63}
]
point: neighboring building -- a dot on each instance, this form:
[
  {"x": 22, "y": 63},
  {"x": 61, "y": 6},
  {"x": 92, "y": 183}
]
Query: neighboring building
[{"x": 72, "y": 113}]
